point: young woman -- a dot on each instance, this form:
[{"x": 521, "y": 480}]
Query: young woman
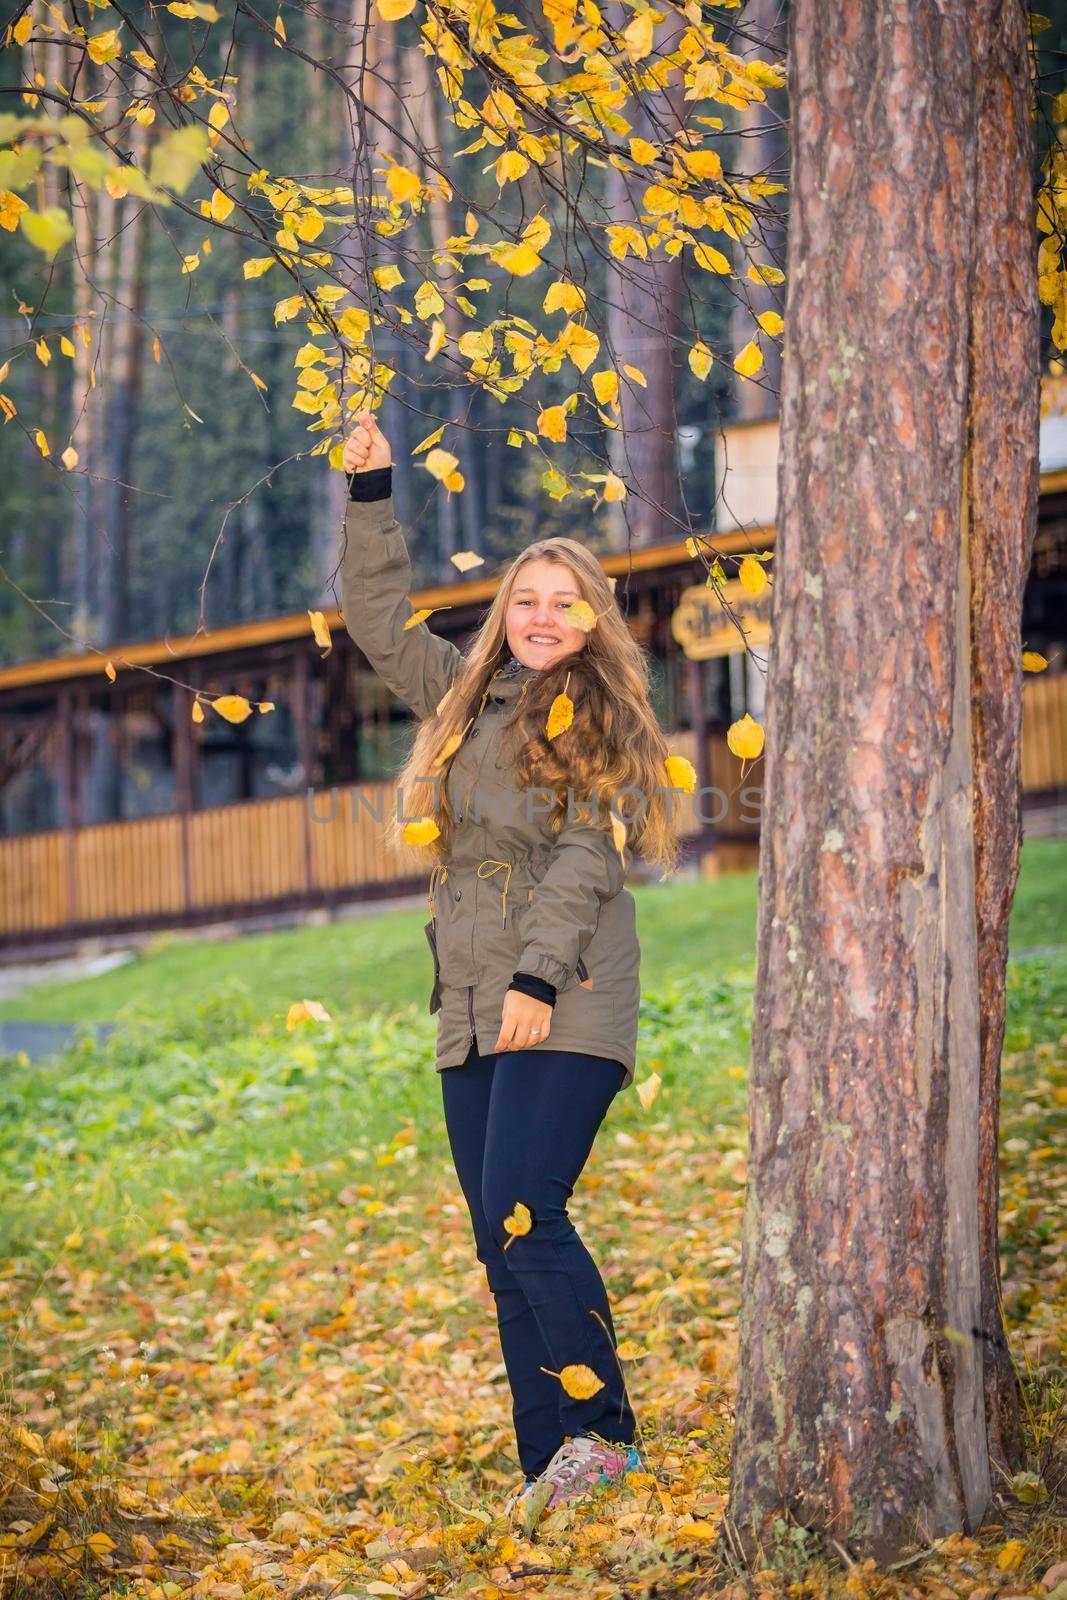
[{"x": 536, "y": 958}]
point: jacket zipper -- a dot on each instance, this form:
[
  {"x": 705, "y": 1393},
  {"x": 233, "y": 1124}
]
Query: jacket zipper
[{"x": 470, "y": 1008}]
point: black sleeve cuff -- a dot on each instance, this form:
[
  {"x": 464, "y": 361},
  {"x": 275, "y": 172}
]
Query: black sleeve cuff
[
  {"x": 377, "y": 484},
  {"x": 537, "y": 988}
]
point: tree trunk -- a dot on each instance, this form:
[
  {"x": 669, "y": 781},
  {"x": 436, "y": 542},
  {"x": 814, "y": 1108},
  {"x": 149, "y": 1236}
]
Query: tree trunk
[
  {"x": 861, "y": 1411},
  {"x": 1005, "y": 417}
]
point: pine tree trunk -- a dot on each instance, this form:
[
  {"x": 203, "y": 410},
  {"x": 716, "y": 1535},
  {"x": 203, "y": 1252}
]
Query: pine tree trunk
[{"x": 862, "y": 1406}]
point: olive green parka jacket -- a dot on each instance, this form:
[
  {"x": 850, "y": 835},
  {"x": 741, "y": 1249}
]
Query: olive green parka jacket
[{"x": 510, "y": 896}]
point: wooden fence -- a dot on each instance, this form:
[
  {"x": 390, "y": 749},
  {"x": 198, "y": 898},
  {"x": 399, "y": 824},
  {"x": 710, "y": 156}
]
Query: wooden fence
[{"x": 237, "y": 859}]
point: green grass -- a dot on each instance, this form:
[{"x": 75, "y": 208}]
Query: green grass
[{"x": 204, "y": 1106}]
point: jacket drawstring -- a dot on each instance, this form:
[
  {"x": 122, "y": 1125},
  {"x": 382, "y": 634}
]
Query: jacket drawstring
[
  {"x": 494, "y": 866},
  {"x": 438, "y": 874}
]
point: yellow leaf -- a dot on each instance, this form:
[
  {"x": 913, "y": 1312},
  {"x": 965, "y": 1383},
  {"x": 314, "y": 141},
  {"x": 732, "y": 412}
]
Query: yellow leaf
[
  {"x": 306, "y": 1011},
  {"x": 636, "y": 375},
  {"x": 438, "y": 334},
  {"x": 606, "y": 386},
  {"x": 69, "y": 458},
  {"x": 109, "y": 668},
  {"x": 65, "y": 345},
  {"x": 563, "y": 296},
  {"x": 712, "y": 260},
  {"x": 464, "y": 560},
  {"x": 770, "y": 322},
  {"x": 41, "y": 442},
  {"x": 648, "y": 1090},
  {"x": 1033, "y": 661},
  {"x": 700, "y": 360},
  {"x": 519, "y": 259},
  {"x": 198, "y": 711},
  {"x": 510, "y": 166},
  {"x": 23, "y": 28},
  {"x": 681, "y": 774},
  {"x": 1011, "y": 1554},
  {"x": 101, "y": 1544},
  {"x": 560, "y": 715},
  {"x": 614, "y": 489},
  {"x": 393, "y": 10},
  {"x": 218, "y": 116},
  {"x": 439, "y": 463},
  {"x": 263, "y": 706},
  {"x": 618, "y": 833},
  {"x": 428, "y": 301},
  {"x": 519, "y": 1222},
  {"x": 637, "y": 36},
  {"x": 402, "y": 183},
  {"x": 221, "y": 205},
  {"x": 431, "y": 438},
  {"x": 320, "y": 628},
  {"x": 745, "y": 738},
  {"x": 104, "y": 47},
  {"x": 580, "y": 1382},
  {"x": 234, "y": 707},
  {"x": 583, "y": 346},
  {"x": 580, "y": 614},
  {"x": 257, "y": 266},
  {"x": 47, "y": 230},
  {"x": 642, "y": 152},
  {"x": 630, "y": 1350},
  {"x": 421, "y": 831},
  {"x": 388, "y": 277},
  {"x": 753, "y": 575},
  {"x": 749, "y": 361},
  {"x": 552, "y": 423},
  {"x": 449, "y": 748},
  {"x": 418, "y": 616},
  {"x": 190, "y": 263},
  {"x": 701, "y": 163}
]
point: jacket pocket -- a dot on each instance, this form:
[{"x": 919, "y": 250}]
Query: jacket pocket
[{"x": 435, "y": 993}]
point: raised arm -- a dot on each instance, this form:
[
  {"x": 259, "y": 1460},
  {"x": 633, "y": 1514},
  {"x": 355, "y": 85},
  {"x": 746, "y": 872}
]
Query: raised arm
[{"x": 419, "y": 666}]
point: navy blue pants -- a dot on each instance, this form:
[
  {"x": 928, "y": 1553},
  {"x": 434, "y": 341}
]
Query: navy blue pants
[{"x": 521, "y": 1125}]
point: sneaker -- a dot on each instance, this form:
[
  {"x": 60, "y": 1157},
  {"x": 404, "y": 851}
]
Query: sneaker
[
  {"x": 516, "y": 1503},
  {"x": 582, "y": 1464}
]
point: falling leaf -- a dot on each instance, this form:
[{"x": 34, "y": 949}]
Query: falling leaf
[
  {"x": 1033, "y": 661},
  {"x": 618, "y": 833},
  {"x": 753, "y": 575},
  {"x": 234, "y": 707},
  {"x": 630, "y": 1350},
  {"x": 464, "y": 560},
  {"x": 439, "y": 463},
  {"x": 421, "y": 831},
  {"x": 110, "y": 670},
  {"x": 320, "y": 628},
  {"x": 449, "y": 748},
  {"x": 649, "y": 1089},
  {"x": 437, "y": 340},
  {"x": 745, "y": 738},
  {"x": 580, "y": 1382},
  {"x": 580, "y": 614},
  {"x": 681, "y": 774},
  {"x": 560, "y": 715},
  {"x": 306, "y": 1011},
  {"x": 519, "y": 1222}
]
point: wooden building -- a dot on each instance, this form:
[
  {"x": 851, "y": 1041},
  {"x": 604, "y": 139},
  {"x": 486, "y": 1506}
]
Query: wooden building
[{"x": 195, "y": 822}]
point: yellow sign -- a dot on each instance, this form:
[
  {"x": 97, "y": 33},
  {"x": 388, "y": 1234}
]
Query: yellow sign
[{"x": 703, "y": 622}]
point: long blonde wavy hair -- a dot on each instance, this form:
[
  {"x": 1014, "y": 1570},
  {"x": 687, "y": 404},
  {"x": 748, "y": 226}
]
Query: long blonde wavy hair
[{"x": 614, "y": 742}]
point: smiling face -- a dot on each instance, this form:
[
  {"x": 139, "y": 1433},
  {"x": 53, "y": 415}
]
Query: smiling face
[{"x": 537, "y": 629}]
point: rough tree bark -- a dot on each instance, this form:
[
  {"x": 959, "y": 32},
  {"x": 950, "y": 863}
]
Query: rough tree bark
[{"x": 862, "y": 1410}]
